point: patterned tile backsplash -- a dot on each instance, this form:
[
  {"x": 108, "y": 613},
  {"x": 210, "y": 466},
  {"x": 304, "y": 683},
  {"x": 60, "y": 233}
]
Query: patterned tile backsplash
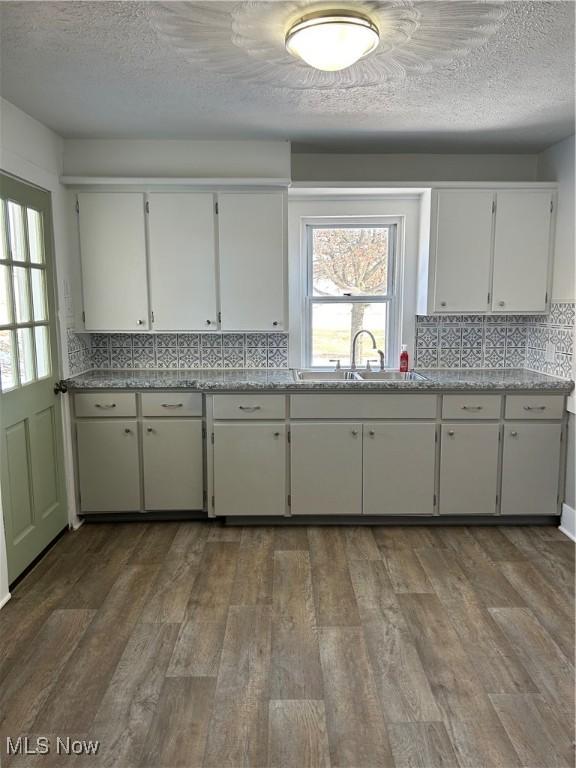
[
  {"x": 178, "y": 350},
  {"x": 498, "y": 341}
]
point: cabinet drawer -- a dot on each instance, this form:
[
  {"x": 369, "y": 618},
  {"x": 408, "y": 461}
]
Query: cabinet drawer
[
  {"x": 471, "y": 407},
  {"x": 363, "y": 406},
  {"x": 171, "y": 404},
  {"x": 249, "y": 406},
  {"x": 105, "y": 404},
  {"x": 534, "y": 406}
]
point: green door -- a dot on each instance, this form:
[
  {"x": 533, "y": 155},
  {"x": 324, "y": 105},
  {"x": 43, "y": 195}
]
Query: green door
[{"x": 31, "y": 463}]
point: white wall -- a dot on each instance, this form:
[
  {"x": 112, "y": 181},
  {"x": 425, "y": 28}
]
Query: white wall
[
  {"x": 177, "y": 158},
  {"x": 557, "y": 164},
  {"x": 413, "y": 167},
  {"x": 33, "y": 153}
]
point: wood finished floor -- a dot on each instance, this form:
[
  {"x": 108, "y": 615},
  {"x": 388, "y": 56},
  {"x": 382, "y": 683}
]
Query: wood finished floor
[{"x": 202, "y": 646}]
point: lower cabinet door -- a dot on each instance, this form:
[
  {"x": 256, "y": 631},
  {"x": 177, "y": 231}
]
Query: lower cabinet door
[
  {"x": 469, "y": 469},
  {"x": 399, "y": 468},
  {"x": 326, "y": 468},
  {"x": 250, "y": 469},
  {"x": 173, "y": 465},
  {"x": 530, "y": 469},
  {"x": 108, "y": 466}
]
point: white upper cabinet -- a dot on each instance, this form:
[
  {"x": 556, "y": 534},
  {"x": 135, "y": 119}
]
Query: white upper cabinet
[
  {"x": 489, "y": 252},
  {"x": 522, "y": 251},
  {"x": 113, "y": 257},
  {"x": 252, "y": 240},
  {"x": 182, "y": 248},
  {"x": 462, "y": 243}
]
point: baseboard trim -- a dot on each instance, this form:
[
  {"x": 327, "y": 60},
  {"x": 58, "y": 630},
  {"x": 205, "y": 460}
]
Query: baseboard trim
[
  {"x": 393, "y": 520},
  {"x": 4, "y": 600},
  {"x": 568, "y": 522}
]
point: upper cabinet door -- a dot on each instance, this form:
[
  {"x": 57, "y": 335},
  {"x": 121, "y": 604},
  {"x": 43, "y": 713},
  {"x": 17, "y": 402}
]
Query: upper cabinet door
[
  {"x": 462, "y": 245},
  {"x": 521, "y": 251},
  {"x": 113, "y": 256},
  {"x": 182, "y": 246},
  {"x": 252, "y": 261}
]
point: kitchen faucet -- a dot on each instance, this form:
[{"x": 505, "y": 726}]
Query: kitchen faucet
[{"x": 374, "y": 346}]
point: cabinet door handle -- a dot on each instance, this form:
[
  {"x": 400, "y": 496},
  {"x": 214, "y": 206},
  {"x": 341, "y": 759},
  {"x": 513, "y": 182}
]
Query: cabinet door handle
[
  {"x": 442, "y": 303},
  {"x": 172, "y": 405},
  {"x": 105, "y": 406},
  {"x": 250, "y": 408},
  {"x": 472, "y": 407},
  {"x": 354, "y": 433},
  {"x": 149, "y": 430},
  {"x": 276, "y": 434},
  {"x": 128, "y": 431},
  {"x": 371, "y": 433},
  {"x": 208, "y": 322},
  {"x": 501, "y": 303},
  {"x": 534, "y": 407},
  {"x": 139, "y": 322},
  {"x": 451, "y": 432},
  {"x": 514, "y": 434},
  {"x": 275, "y": 323}
]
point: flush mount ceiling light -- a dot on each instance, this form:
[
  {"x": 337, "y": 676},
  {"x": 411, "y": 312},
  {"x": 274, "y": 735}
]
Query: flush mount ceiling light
[{"x": 332, "y": 40}]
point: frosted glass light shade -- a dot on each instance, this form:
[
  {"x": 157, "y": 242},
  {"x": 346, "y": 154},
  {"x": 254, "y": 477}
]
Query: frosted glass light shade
[{"x": 331, "y": 41}]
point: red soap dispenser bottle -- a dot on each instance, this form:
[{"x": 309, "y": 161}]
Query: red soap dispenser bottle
[{"x": 404, "y": 359}]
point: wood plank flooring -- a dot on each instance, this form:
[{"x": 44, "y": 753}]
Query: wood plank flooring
[{"x": 192, "y": 645}]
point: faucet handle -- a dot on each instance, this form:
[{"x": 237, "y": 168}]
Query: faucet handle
[{"x": 337, "y": 361}]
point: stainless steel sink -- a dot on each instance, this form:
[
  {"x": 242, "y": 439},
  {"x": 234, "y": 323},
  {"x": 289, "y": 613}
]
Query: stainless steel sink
[
  {"x": 390, "y": 376},
  {"x": 311, "y": 375}
]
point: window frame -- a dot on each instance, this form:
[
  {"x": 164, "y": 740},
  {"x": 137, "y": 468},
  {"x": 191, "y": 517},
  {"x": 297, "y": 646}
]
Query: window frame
[{"x": 391, "y": 298}]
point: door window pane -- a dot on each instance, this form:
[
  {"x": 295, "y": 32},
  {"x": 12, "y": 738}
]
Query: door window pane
[
  {"x": 42, "y": 351},
  {"x": 350, "y": 260},
  {"x": 7, "y": 361},
  {"x": 334, "y": 326},
  {"x": 16, "y": 231},
  {"x": 5, "y": 314},
  {"x": 35, "y": 240},
  {"x": 3, "y": 242},
  {"x": 25, "y": 355},
  {"x": 21, "y": 297},
  {"x": 39, "y": 294}
]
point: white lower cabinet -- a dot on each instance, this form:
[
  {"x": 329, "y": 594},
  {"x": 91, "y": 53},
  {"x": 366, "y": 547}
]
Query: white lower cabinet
[
  {"x": 469, "y": 469},
  {"x": 530, "y": 469},
  {"x": 173, "y": 465},
  {"x": 399, "y": 468},
  {"x": 108, "y": 465},
  {"x": 326, "y": 468},
  {"x": 249, "y": 468}
]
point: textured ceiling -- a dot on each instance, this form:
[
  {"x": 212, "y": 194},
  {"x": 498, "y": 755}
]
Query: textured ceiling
[{"x": 448, "y": 76}]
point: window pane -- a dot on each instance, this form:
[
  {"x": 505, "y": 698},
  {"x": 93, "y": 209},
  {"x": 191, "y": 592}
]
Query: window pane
[
  {"x": 7, "y": 361},
  {"x": 42, "y": 351},
  {"x": 334, "y": 325},
  {"x": 39, "y": 294},
  {"x": 25, "y": 355},
  {"x": 5, "y": 314},
  {"x": 21, "y": 297},
  {"x": 3, "y": 242},
  {"x": 35, "y": 241},
  {"x": 16, "y": 230},
  {"x": 350, "y": 260}
]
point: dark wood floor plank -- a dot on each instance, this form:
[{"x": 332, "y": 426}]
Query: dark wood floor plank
[
  {"x": 224, "y": 533},
  {"x": 356, "y": 731},
  {"x": 253, "y": 582},
  {"x": 177, "y": 736},
  {"x": 188, "y": 543},
  {"x": 198, "y": 648},
  {"x": 81, "y": 686},
  {"x": 402, "y": 685},
  {"x": 170, "y": 594},
  {"x": 296, "y": 671},
  {"x": 404, "y": 537},
  {"x": 155, "y": 544},
  {"x": 406, "y": 572},
  {"x": 238, "y": 732},
  {"x": 30, "y": 681},
  {"x": 361, "y": 544},
  {"x": 422, "y": 745},
  {"x": 297, "y": 735},
  {"x": 291, "y": 537},
  {"x": 528, "y": 731},
  {"x": 550, "y": 669},
  {"x": 448, "y": 579},
  {"x": 491, "y": 585},
  {"x": 497, "y": 544},
  {"x": 482, "y": 742},
  {"x": 125, "y": 715},
  {"x": 333, "y": 594}
]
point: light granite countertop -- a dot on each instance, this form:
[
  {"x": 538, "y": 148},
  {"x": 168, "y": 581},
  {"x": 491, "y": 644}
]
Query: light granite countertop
[{"x": 245, "y": 380}]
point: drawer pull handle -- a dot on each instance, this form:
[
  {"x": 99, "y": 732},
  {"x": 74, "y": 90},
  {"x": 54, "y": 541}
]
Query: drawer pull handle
[
  {"x": 105, "y": 406},
  {"x": 472, "y": 407},
  {"x": 149, "y": 430},
  {"x": 534, "y": 407},
  {"x": 451, "y": 432},
  {"x": 172, "y": 405},
  {"x": 250, "y": 408},
  {"x": 128, "y": 431}
]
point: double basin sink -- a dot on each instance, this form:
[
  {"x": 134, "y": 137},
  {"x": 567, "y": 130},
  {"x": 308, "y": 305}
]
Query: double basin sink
[{"x": 357, "y": 376}]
